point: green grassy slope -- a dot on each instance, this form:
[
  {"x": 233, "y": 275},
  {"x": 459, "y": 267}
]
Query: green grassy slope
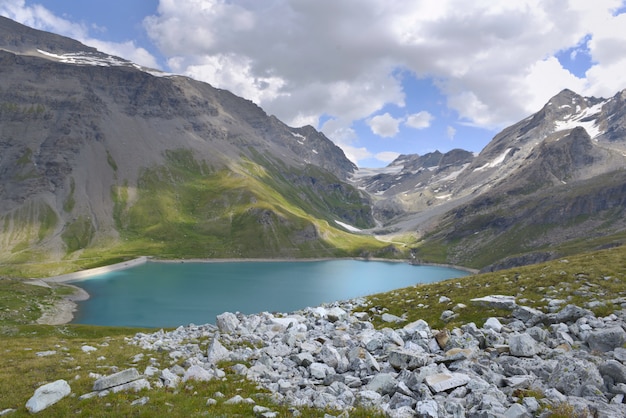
[{"x": 598, "y": 277}]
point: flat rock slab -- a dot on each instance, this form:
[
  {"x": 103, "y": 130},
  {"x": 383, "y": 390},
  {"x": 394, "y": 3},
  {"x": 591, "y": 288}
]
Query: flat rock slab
[
  {"x": 441, "y": 382},
  {"x": 496, "y": 301},
  {"x": 116, "y": 379}
]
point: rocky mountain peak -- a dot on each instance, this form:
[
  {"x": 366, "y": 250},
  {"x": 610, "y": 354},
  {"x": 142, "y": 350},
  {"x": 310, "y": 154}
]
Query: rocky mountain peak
[{"x": 23, "y": 39}]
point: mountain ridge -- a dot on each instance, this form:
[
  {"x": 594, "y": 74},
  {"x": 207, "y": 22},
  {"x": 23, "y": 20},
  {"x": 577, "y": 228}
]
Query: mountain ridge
[
  {"x": 84, "y": 141},
  {"x": 100, "y": 155}
]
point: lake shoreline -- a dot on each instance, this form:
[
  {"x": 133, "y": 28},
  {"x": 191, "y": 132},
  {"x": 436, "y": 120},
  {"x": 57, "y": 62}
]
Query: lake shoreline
[{"x": 63, "y": 310}]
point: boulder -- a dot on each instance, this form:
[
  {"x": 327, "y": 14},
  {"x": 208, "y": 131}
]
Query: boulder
[
  {"x": 572, "y": 375},
  {"x": 496, "y": 301},
  {"x": 571, "y": 313},
  {"x": 606, "y": 339},
  {"x": 493, "y": 323},
  {"x": 441, "y": 382},
  {"x": 522, "y": 345},
  {"x": 116, "y": 379},
  {"x": 197, "y": 373},
  {"x": 404, "y": 359},
  {"x": 47, "y": 395},
  {"x": 227, "y": 322},
  {"x": 383, "y": 383},
  {"x": 216, "y": 351}
]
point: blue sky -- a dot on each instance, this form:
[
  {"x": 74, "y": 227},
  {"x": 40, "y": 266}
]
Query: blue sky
[{"x": 378, "y": 78}]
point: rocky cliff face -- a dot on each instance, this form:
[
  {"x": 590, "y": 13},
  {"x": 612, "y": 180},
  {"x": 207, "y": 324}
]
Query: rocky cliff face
[
  {"x": 85, "y": 136},
  {"x": 552, "y": 178}
]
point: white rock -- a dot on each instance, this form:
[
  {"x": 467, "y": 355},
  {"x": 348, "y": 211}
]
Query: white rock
[
  {"x": 523, "y": 345},
  {"x": 47, "y": 395},
  {"x": 493, "y": 323},
  {"x": 441, "y": 382},
  {"x": 387, "y": 317},
  {"x": 116, "y": 379},
  {"x": 88, "y": 348},
  {"x": 496, "y": 301},
  {"x": 216, "y": 351},
  {"x": 197, "y": 373}
]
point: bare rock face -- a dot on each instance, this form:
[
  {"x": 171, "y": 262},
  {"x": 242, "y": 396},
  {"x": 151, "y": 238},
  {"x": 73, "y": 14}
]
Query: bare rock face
[{"x": 75, "y": 142}]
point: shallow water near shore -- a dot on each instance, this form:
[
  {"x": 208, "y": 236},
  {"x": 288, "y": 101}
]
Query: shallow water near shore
[{"x": 171, "y": 294}]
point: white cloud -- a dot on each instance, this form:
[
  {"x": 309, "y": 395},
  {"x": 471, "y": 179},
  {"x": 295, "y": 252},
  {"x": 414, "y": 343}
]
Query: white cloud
[
  {"x": 451, "y": 132},
  {"x": 493, "y": 61},
  {"x": 419, "y": 120},
  {"x": 387, "y": 156},
  {"x": 337, "y": 57},
  {"x": 384, "y": 125}
]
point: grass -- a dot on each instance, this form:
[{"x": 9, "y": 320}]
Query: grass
[
  {"x": 22, "y": 371},
  {"x": 599, "y": 275}
]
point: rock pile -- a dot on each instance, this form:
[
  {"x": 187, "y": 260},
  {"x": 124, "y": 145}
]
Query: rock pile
[{"x": 332, "y": 357}]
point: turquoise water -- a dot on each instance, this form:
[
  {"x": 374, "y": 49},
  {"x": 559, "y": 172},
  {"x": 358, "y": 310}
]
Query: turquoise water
[{"x": 173, "y": 294}]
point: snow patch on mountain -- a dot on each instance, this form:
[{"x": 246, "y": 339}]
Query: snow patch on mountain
[
  {"x": 100, "y": 60},
  {"x": 495, "y": 162},
  {"x": 347, "y": 226},
  {"x": 585, "y": 119},
  {"x": 370, "y": 172}
]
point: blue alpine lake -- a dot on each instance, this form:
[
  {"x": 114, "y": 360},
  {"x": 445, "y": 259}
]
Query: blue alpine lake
[{"x": 158, "y": 294}]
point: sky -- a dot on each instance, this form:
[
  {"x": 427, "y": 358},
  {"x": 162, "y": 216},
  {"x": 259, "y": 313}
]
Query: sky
[{"x": 379, "y": 78}]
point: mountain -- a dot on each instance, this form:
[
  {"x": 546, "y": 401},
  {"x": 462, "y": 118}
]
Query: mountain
[
  {"x": 102, "y": 159},
  {"x": 101, "y": 156},
  {"x": 549, "y": 185}
]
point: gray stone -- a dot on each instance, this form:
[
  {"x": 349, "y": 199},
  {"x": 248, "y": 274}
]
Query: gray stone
[
  {"x": 528, "y": 315},
  {"x": 336, "y": 314},
  {"x": 531, "y": 404},
  {"x": 116, "y": 379},
  {"x": 170, "y": 380},
  {"x": 383, "y": 383},
  {"x": 404, "y": 359},
  {"x": 620, "y": 354},
  {"x": 217, "y": 352},
  {"x": 237, "y": 399},
  {"x": 613, "y": 369},
  {"x": 517, "y": 411},
  {"x": 134, "y": 386},
  {"x": 401, "y": 412},
  {"x": 441, "y": 382},
  {"x": 150, "y": 371},
  {"x": 227, "y": 322},
  {"x": 496, "y": 301},
  {"x": 387, "y": 317},
  {"x": 571, "y": 375},
  {"x": 197, "y": 373},
  {"x": 368, "y": 398},
  {"x": 448, "y": 315},
  {"x": 427, "y": 409},
  {"x": 304, "y": 359},
  {"x": 399, "y": 400},
  {"x": 606, "y": 339},
  {"x": 493, "y": 323},
  {"x": 571, "y": 313},
  {"x": 360, "y": 358},
  {"x": 141, "y": 401},
  {"x": 330, "y": 356},
  {"x": 522, "y": 345},
  {"x": 320, "y": 370},
  {"x": 47, "y": 395}
]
